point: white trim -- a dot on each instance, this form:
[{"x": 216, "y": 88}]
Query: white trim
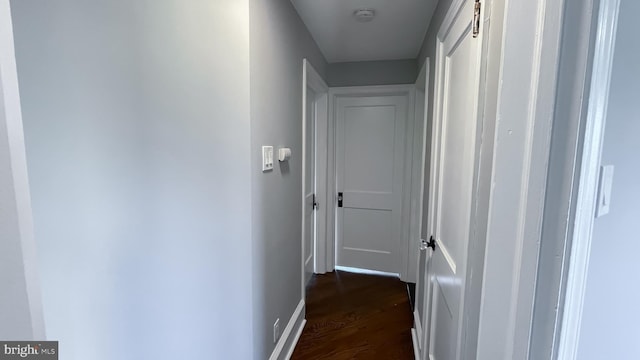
[
  {"x": 365, "y": 271},
  {"x": 360, "y": 91},
  {"x": 490, "y": 32},
  {"x": 526, "y": 103},
  {"x": 311, "y": 78},
  {"x": 296, "y": 338},
  {"x": 290, "y": 335},
  {"x": 417, "y": 327},
  {"x": 422, "y": 289},
  {"x": 418, "y": 154},
  {"x": 322, "y": 212},
  {"x": 15, "y": 182},
  {"x": 414, "y": 340},
  {"x": 588, "y": 180}
]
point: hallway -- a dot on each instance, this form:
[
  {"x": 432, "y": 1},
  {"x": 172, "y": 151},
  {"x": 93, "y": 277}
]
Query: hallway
[
  {"x": 355, "y": 316},
  {"x": 183, "y": 178}
]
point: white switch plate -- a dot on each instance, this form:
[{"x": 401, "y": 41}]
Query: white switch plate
[
  {"x": 604, "y": 190},
  {"x": 267, "y": 158}
]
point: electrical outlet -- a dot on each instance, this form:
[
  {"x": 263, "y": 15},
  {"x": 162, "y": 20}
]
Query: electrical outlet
[{"x": 276, "y": 331}]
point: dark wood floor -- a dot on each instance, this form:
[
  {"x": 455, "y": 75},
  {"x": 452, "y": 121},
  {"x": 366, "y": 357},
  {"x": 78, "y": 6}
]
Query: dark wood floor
[{"x": 354, "y": 316}]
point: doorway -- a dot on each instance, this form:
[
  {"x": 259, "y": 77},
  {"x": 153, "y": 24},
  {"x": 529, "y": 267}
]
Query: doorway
[
  {"x": 370, "y": 178},
  {"x": 420, "y": 209},
  {"x": 314, "y": 180},
  {"x": 369, "y": 167}
]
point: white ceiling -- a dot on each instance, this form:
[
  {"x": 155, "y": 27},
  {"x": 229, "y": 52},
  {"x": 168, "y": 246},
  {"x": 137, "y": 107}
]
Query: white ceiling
[{"x": 395, "y": 33}]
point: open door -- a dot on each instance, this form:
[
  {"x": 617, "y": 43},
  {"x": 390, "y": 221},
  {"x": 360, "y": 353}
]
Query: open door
[{"x": 453, "y": 170}]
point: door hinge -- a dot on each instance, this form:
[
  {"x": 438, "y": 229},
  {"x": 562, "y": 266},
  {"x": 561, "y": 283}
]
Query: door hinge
[
  {"x": 315, "y": 202},
  {"x": 476, "y": 19}
]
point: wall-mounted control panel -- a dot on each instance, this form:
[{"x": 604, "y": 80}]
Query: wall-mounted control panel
[{"x": 267, "y": 158}]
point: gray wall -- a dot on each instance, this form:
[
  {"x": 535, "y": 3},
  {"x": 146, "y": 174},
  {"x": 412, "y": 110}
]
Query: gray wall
[
  {"x": 362, "y": 73},
  {"x": 137, "y": 131},
  {"x": 279, "y": 42},
  {"x": 611, "y": 313}
]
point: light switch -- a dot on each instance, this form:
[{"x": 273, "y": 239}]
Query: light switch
[
  {"x": 267, "y": 158},
  {"x": 604, "y": 190}
]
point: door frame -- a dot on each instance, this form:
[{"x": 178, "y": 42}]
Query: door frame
[
  {"x": 417, "y": 213},
  {"x": 312, "y": 79},
  {"x": 588, "y": 180},
  {"x": 331, "y": 199},
  {"x": 16, "y": 214},
  {"x": 531, "y": 40},
  {"x": 417, "y": 173}
]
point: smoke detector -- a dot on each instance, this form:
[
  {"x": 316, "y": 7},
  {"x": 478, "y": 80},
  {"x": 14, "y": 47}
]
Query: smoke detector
[{"x": 364, "y": 15}]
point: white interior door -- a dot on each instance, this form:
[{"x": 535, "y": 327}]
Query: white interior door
[
  {"x": 310, "y": 184},
  {"x": 459, "y": 55},
  {"x": 370, "y": 173}
]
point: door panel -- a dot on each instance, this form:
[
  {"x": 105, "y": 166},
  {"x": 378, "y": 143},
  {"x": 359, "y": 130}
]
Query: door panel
[
  {"x": 455, "y": 158},
  {"x": 310, "y": 184},
  {"x": 445, "y": 316},
  {"x": 369, "y": 163}
]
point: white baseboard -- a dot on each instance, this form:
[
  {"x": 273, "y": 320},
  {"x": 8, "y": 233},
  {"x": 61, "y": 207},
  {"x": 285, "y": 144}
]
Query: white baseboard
[
  {"x": 416, "y": 348},
  {"x": 417, "y": 326},
  {"x": 291, "y": 334},
  {"x": 295, "y": 339},
  {"x": 366, "y": 272}
]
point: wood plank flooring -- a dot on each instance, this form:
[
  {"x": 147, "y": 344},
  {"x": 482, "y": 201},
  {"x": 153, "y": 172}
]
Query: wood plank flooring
[{"x": 355, "y": 316}]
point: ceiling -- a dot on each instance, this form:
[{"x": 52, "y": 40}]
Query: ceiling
[{"x": 396, "y": 32}]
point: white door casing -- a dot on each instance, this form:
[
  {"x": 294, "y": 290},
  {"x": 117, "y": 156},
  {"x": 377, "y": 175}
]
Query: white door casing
[
  {"x": 315, "y": 103},
  {"x": 370, "y": 152},
  {"x": 568, "y": 325},
  {"x": 415, "y": 246},
  {"x": 419, "y": 190},
  {"x": 331, "y": 209},
  {"x": 456, "y": 127},
  {"x": 310, "y": 184},
  {"x": 16, "y": 218}
]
